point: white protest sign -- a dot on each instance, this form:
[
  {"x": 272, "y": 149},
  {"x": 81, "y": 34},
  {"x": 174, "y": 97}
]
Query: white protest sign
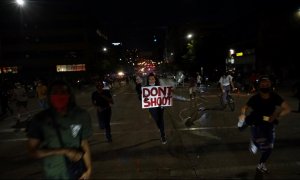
[{"x": 156, "y": 96}]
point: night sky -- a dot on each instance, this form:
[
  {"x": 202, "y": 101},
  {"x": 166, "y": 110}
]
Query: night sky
[
  {"x": 136, "y": 21},
  {"x": 271, "y": 27}
]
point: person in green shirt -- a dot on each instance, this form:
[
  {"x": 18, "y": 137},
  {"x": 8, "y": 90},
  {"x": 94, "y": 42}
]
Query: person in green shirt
[{"x": 59, "y": 135}]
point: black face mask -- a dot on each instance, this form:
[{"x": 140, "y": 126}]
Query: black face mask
[{"x": 265, "y": 90}]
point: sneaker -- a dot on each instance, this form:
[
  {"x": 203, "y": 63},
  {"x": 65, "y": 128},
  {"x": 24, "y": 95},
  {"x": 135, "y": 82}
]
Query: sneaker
[
  {"x": 163, "y": 140},
  {"x": 252, "y": 147},
  {"x": 262, "y": 168},
  {"x": 201, "y": 109},
  {"x": 240, "y": 123}
]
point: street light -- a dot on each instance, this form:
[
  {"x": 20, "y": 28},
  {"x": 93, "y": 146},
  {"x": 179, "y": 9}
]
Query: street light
[
  {"x": 298, "y": 13},
  {"x": 104, "y": 49},
  {"x": 189, "y": 36},
  {"x": 20, "y": 3},
  {"x": 231, "y": 52}
]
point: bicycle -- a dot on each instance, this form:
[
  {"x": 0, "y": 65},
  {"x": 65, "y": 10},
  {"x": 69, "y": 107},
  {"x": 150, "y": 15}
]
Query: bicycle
[{"x": 230, "y": 101}]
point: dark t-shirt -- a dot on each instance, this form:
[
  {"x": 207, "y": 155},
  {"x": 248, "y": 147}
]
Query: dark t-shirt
[
  {"x": 264, "y": 107},
  {"x": 99, "y": 100}
]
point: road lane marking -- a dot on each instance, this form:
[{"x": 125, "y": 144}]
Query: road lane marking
[
  {"x": 206, "y": 128},
  {"x": 180, "y": 115},
  {"x": 113, "y": 123},
  {"x": 13, "y": 140},
  {"x": 31, "y": 112},
  {"x": 211, "y": 172}
]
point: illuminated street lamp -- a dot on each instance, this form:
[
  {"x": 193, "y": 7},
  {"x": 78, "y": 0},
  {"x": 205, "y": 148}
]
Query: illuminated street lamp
[
  {"x": 298, "y": 13},
  {"x": 189, "y": 36},
  {"x": 20, "y": 3},
  {"x": 104, "y": 49},
  {"x": 231, "y": 52}
]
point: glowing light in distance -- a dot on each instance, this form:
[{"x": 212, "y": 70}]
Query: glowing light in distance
[
  {"x": 120, "y": 73},
  {"x": 20, "y": 2},
  {"x": 189, "y": 36}
]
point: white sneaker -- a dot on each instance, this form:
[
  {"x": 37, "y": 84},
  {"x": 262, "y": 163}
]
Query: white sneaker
[
  {"x": 241, "y": 123},
  {"x": 252, "y": 147},
  {"x": 262, "y": 168},
  {"x": 163, "y": 140}
]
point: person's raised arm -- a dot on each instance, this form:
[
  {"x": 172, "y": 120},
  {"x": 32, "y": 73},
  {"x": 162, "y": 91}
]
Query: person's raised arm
[
  {"x": 243, "y": 112},
  {"x": 221, "y": 86},
  {"x": 283, "y": 110},
  {"x": 231, "y": 83}
]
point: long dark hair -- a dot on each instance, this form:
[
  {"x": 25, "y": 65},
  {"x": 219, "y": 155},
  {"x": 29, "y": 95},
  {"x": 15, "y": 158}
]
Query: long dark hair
[{"x": 156, "y": 79}]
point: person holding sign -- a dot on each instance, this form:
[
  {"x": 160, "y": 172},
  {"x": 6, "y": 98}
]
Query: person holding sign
[{"x": 157, "y": 113}]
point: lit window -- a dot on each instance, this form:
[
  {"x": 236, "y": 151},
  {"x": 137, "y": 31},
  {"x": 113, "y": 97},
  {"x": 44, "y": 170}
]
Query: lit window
[
  {"x": 5, "y": 70},
  {"x": 70, "y": 68}
]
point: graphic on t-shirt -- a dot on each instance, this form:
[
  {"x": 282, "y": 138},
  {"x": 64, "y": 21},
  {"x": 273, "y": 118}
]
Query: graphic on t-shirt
[{"x": 75, "y": 129}]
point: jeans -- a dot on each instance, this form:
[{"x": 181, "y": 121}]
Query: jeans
[
  {"x": 225, "y": 94},
  {"x": 157, "y": 114},
  {"x": 263, "y": 137}
]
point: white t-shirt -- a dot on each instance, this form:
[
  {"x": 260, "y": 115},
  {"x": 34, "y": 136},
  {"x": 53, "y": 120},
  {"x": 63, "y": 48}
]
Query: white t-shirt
[
  {"x": 199, "y": 79},
  {"x": 225, "y": 81}
]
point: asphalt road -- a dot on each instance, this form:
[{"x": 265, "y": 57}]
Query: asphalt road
[{"x": 202, "y": 144}]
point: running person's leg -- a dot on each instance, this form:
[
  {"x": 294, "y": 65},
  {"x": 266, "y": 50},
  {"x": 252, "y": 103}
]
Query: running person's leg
[
  {"x": 230, "y": 101},
  {"x": 107, "y": 116},
  {"x": 263, "y": 137},
  {"x": 157, "y": 115},
  {"x": 225, "y": 94},
  {"x": 269, "y": 132}
]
